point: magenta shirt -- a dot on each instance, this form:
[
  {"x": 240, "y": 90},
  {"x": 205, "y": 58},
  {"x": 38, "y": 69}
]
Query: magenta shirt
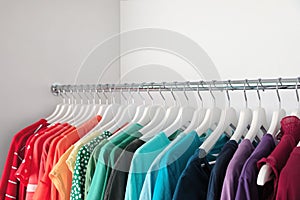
[{"x": 290, "y": 127}]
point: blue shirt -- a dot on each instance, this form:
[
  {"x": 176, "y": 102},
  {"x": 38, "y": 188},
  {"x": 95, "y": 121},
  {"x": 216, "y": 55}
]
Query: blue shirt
[{"x": 141, "y": 162}]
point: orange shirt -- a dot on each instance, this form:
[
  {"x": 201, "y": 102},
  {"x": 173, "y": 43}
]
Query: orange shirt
[{"x": 45, "y": 188}]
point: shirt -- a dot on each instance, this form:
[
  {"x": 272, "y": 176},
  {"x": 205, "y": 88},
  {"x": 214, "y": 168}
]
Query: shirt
[
  {"x": 193, "y": 181},
  {"x": 107, "y": 157},
  {"x": 288, "y": 184},
  {"x": 116, "y": 186},
  {"x": 91, "y": 166},
  {"x": 247, "y": 187},
  {"x": 24, "y": 170},
  {"x": 72, "y": 157},
  {"x": 173, "y": 163},
  {"x": 9, "y": 186},
  {"x": 33, "y": 173},
  {"x": 141, "y": 161},
  {"x": 290, "y": 126},
  {"x": 219, "y": 170},
  {"x": 78, "y": 180},
  {"x": 150, "y": 178},
  {"x": 234, "y": 169},
  {"x": 45, "y": 188}
]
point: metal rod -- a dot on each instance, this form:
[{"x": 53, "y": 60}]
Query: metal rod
[{"x": 215, "y": 85}]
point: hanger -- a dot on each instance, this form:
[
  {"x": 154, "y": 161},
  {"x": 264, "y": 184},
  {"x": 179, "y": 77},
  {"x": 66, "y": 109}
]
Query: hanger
[
  {"x": 297, "y": 111},
  {"x": 259, "y": 121},
  {"x": 183, "y": 117},
  {"x": 110, "y": 112},
  {"x": 198, "y": 115},
  {"x": 65, "y": 112},
  {"x": 140, "y": 109},
  {"x": 211, "y": 117},
  {"x": 277, "y": 115},
  {"x": 169, "y": 117},
  {"x": 127, "y": 114},
  {"x": 265, "y": 171},
  {"x": 228, "y": 119},
  {"x": 244, "y": 119},
  {"x": 77, "y": 109},
  {"x": 149, "y": 112},
  {"x": 90, "y": 110},
  {"x": 58, "y": 108}
]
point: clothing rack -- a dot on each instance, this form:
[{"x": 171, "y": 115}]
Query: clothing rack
[{"x": 203, "y": 85}]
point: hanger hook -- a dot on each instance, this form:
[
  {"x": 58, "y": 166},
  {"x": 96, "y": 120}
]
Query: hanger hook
[
  {"x": 78, "y": 93},
  {"x": 277, "y": 91},
  {"x": 227, "y": 93},
  {"x": 85, "y": 94},
  {"x": 104, "y": 94},
  {"x": 297, "y": 94},
  {"x": 122, "y": 94},
  {"x": 187, "y": 83},
  {"x": 257, "y": 89},
  {"x": 245, "y": 94},
  {"x": 129, "y": 91},
  {"x": 73, "y": 96},
  {"x": 139, "y": 93},
  {"x": 98, "y": 95},
  {"x": 60, "y": 92},
  {"x": 211, "y": 93},
  {"x": 199, "y": 95},
  {"x": 175, "y": 100},
  {"x": 152, "y": 100},
  {"x": 162, "y": 96}
]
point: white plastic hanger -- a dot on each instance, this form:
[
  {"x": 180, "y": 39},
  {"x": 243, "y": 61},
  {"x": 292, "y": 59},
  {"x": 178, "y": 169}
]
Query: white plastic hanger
[
  {"x": 277, "y": 116},
  {"x": 139, "y": 110},
  {"x": 126, "y": 116},
  {"x": 211, "y": 118},
  {"x": 169, "y": 118},
  {"x": 244, "y": 119},
  {"x": 77, "y": 110},
  {"x": 259, "y": 121},
  {"x": 198, "y": 116},
  {"x": 110, "y": 112},
  {"x": 65, "y": 111},
  {"x": 184, "y": 117},
  {"x": 57, "y": 108},
  {"x": 265, "y": 171},
  {"x": 228, "y": 119}
]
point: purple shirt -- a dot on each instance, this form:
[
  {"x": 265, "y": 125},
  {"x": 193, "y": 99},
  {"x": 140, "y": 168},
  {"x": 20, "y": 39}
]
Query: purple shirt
[
  {"x": 247, "y": 187},
  {"x": 234, "y": 169}
]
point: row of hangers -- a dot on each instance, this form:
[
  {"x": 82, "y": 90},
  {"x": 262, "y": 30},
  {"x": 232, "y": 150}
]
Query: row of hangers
[{"x": 251, "y": 124}]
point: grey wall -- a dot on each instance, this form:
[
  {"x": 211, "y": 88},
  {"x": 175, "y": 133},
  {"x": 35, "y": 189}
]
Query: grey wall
[{"x": 42, "y": 42}]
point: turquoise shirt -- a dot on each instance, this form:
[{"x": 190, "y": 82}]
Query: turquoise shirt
[
  {"x": 151, "y": 176},
  {"x": 174, "y": 162},
  {"x": 141, "y": 161}
]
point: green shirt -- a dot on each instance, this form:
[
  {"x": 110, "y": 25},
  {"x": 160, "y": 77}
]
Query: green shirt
[
  {"x": 107, "y": 157},
  {"x": 82, "y": 158}
]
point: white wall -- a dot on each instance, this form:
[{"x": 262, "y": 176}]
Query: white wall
[
  {"x": 244, "y": 39},
  {"x": 42, "y": 43}
]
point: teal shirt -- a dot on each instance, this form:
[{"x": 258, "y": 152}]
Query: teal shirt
[
  {"x": 141, "y": 161},
  {"x": 175, "y": 160},
  {"x": 107, "y": 156}
]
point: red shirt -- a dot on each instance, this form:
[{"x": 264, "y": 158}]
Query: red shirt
[
  {"x": 288, "y": 184},
  {"x": 32, "y": 177},
  {"x": 9, "y": 186},
  {"x": 45, "y": 188},
  {"x": 290, "y": 127}
]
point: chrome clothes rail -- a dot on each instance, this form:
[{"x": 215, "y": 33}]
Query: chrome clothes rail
[{"x": 203, "y": 85}]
